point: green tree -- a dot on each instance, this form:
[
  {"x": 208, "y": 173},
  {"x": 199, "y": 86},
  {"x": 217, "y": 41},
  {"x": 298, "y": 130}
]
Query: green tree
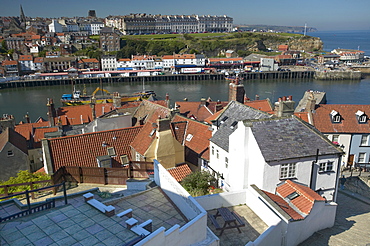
[
  {"x": 198, "y": 183},
  {"x": 25, "y": 176}
]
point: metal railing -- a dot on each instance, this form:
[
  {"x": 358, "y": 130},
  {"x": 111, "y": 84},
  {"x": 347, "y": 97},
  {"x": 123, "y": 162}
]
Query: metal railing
[{"x": 33, "y": 209}]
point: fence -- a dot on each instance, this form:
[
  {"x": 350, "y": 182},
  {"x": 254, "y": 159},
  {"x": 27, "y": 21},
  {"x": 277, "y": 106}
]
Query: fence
[
  {"x": 27, "y": 186},
  {"x": 38, "y": 208},
  {"x": 100, "y": 175}
]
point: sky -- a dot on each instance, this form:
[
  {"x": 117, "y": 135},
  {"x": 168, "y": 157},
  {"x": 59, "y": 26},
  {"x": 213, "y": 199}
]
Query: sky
[{"x": 325, "y": 15}]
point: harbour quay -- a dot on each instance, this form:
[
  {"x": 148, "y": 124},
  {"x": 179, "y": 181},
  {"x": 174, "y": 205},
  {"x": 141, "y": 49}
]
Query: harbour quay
[{"x": 158, "y": 78}]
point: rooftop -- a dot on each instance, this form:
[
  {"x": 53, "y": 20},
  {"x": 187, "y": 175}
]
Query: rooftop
[{"x": 80, "y": 222}]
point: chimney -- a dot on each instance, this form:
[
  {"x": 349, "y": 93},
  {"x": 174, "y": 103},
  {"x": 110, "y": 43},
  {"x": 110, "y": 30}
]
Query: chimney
[
  {"x": 27, "y": 118},
  {"x": 163, "y": 124},
  {"x": 311, "y": 102},
  {"x": 219, "y": 106},
  {"x": 257, "y": 97},
  {"x": 167, "y": 100},
  {"x": 92, "y": 106},
  {"x": 51, "y": 111},
  {"x": 236, "y": 92},
  {"x": 285, "y": 106},
  {"x": 203, "y": 102},
  {"x": 116, "y": 100}
]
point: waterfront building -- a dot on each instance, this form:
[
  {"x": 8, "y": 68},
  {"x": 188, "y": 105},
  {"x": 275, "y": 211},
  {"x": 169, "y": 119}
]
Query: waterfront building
[
  {"x": 91, "y": 64},
  {"x": 26, "y": 64},
  {"x": 109, "y": 40},
  {"x": 349, "y": 56},
  {"x": 148, "y": 24},
  {"x": 108, "y": 63},
  {"x": 143, "y": 62},
  {"x": 11, "y": 68}
]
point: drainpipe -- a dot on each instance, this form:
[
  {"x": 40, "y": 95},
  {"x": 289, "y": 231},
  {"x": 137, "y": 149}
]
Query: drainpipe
[{"x": 313, "y": 169}]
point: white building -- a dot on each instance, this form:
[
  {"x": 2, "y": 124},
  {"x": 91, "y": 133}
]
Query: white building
[
  {"x": 108, "y": 63},
  {"x": 55, "y": 26},
  {"x": 96, "y": 26},
  {"x": 268, "y": 64},
  {"x": 265, "y": 151}
]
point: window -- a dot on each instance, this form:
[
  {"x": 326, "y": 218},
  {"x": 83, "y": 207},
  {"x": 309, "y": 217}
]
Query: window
[
  {"x": 217, "y": 154},
  {"x": 124, "y": 160},
  {"x": 10, "y": 153},
  {"x": 361, "y": 158},
  {"x": 335, "y": 117},
  {"x": 364, "y": 139},
  {"x": 189, "y": 137},
  {"x": 293, "y": 195},
  {"x": 335, "y": 138},
  {"x": 361, "y": 117},
  {"x": 111, "y": 151},
  {"x": 287, "y": 171},
  {"x": 226, "y": 162},
  {"x": 326, "y": 166},
  {"x": 213, "y": 150},
  {"x": 137, "y": 157}
]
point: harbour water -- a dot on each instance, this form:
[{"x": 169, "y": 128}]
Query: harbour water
[{"x": 32, "y": 100}]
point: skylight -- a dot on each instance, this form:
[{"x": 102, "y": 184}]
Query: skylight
[{"x": 293, "y": 195}]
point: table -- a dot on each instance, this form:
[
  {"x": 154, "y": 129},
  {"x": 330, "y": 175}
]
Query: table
[{"x": 231, "y": 220}]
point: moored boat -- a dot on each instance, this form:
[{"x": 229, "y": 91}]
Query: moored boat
[{"x": 77, "y": 99}]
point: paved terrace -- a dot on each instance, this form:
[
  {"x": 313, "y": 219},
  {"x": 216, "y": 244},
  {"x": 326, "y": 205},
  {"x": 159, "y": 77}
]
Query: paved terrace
[
  {"x": 253, "y": 228},
  {"x": 80, "y": 224}
]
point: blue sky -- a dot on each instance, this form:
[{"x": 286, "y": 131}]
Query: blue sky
[{"x": 322, "y": 14}]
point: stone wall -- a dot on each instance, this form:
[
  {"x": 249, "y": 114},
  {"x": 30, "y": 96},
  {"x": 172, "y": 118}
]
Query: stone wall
[
  {"x": 338, "y": 75},
  {"x": 359, "y": 185}
]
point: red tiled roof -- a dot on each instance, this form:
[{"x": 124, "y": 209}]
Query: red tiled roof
[
  {"x": 144, "y": 139},
  {"x": 179, "y": 129},
  {"x": 213, "y": 117},
  {"x": 89, "y": 60},
  {"x": 38, "y": 59},
  {"x": 82, "y": 150},
  {"x": 168, "y": 57},
  {"x": 284, "y": 206},
  {"x": 27, "y": 129},
  {"x": 196, "y": 111},
  {"x": 25, "y": 58},
  {"x": 180, "y": 172},
  {"x": 196, "y": 136},
  {"x": 348, "y": 124},
  {"x": 302, "y": 116},
  {"x": 40, "y": 132},
  {"x": 6, "y": 63},
  {"x": 184, "y": 56},
  {"x": 304, "y": 202},
  {"x": 263, "y": 105},
  {"x": 11, "y": 136}
]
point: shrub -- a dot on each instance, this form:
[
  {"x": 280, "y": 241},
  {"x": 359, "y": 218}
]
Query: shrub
[{"x": 197, "y": 183}]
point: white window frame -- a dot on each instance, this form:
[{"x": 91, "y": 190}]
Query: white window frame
[
  {"x": 361, "y": 157},
  {"x": 364, "y": 140},
  {"x": 326, "y": 166},
  {"x": 288, "y": 170}
]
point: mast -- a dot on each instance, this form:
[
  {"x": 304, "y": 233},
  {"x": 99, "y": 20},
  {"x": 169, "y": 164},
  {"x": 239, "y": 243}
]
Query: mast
[{"x": 305, "y": 29}]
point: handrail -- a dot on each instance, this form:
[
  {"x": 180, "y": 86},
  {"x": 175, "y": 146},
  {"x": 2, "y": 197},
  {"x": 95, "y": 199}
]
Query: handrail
[
  {"x": 27, "y": 192},
  {"x": 6, "y": 191}
]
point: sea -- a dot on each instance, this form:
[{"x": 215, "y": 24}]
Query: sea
[{"x": 32, "y": 101}]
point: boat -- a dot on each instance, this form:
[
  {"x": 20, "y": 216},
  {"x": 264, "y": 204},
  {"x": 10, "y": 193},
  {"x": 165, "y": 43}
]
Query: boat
[{"x": 77, "y": 99}]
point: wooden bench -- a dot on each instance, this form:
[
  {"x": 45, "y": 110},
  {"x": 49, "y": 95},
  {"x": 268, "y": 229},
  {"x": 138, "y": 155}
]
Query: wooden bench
[
  {"x": 237, "y": 217},
  {"x": 127, "y": 213},
  {"x": 107, "y": 210},
  {"x": 214, "y": 221}
]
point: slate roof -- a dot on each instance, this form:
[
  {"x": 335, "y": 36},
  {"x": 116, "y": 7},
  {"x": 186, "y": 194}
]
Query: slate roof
[
  {"x": 289, "y": 138},
  {"x": 82, "y": 150},
  {"x": 11, "y": 136},
  {"x": 180, "y": 172},
  {"x": 348, "y": 124},
  {"x": 307, "y": 197},
  {"x": 233, "y": 112}
]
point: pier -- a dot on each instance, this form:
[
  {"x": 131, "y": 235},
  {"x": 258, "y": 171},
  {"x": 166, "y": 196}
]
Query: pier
[{"x": 158, "y": 78}]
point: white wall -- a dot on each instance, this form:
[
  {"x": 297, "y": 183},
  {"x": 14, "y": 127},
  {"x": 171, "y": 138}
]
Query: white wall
[{"x": 225, "y": 199}]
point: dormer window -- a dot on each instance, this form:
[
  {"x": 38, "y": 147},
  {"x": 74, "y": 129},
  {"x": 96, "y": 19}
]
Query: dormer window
[
  {"x": 361, "y": 117},
  {"x": 224, "y": 119},
  {"x": 335, "y": 117},
  {"x": 189, "y": 137},
  {"x": 233, "y": 124}
]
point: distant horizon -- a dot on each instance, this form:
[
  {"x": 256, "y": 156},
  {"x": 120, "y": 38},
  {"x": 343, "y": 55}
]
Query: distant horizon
[{"x": 322, "y": 15}]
